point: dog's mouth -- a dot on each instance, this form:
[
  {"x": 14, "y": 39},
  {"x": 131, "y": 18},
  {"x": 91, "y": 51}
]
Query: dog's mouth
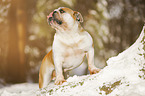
[{"x": 54, "y": 17}]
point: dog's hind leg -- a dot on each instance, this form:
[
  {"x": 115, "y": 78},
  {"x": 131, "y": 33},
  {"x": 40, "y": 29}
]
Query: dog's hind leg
[
  {"x": 46, "y": 70},
  {"x": 45, "y": 78}
]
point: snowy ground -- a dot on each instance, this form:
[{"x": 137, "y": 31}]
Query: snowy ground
[
  {"x": 124, "y": 76},
  {"x": 24, "y": 89}
]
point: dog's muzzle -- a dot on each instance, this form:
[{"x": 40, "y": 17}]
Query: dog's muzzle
[{"x": 51, "y": 18}]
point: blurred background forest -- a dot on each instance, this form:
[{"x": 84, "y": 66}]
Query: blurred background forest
[{"x": 25, "y": 36}]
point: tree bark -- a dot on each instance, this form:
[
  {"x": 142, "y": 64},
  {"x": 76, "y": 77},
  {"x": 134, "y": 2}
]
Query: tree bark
[
  {"x": 21, "y": 29},
  {"x": 16, "y": 67}
]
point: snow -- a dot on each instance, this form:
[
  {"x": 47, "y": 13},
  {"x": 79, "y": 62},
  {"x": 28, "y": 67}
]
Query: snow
[
  {"x": 124, "y": 76},
  {"x": 24, "y": 89}
]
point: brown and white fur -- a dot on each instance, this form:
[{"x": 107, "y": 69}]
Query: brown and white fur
[{"x": 70, "y": 46}]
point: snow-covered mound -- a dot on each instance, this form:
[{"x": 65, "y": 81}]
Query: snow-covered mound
[{"x": 124, "y": 76}]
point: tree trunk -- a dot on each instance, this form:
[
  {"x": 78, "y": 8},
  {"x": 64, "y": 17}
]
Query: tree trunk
[
  {"x": 17, "y": 32},
  {"x": 21, "y": 29}
]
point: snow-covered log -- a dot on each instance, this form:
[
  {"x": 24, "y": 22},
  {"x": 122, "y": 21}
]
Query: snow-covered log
[{"x": 124, "y": 75}]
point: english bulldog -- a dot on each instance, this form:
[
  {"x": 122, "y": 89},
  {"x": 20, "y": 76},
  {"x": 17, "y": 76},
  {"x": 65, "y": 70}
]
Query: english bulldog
[{"x": 70, "y": 46}]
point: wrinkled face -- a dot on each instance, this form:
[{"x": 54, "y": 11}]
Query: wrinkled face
[{"x": 64, "y": 18}]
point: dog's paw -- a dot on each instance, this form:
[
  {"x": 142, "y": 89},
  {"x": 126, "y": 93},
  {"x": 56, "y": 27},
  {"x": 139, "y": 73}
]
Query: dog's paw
[
  {"x": 94, "y": 71},
  {"x": 59, "y": 81}
]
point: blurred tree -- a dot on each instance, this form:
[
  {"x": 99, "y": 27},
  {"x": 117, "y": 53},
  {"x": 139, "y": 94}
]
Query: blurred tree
[
  {"x": 16, "y": 67},
  {"x": 4, "y": 8},
  {"x": 126, "y": 20}
]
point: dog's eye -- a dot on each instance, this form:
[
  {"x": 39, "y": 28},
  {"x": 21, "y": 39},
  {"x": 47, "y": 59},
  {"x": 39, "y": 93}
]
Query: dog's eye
[{"x": 61, "y": 11}]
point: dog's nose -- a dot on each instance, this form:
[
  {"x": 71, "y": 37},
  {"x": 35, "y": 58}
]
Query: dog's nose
[{"x": 50, "y": 18}]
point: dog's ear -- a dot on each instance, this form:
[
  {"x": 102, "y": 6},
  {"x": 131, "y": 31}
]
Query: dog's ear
[{"x": 78, "y": 16}]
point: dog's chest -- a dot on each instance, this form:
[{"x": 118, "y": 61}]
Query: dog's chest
[
  {"x": 73, "y": 50},
  {"x": 73, "y": 57}
]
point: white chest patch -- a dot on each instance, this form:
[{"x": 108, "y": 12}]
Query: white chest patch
[
  {"x": 73, "y": 57},
  {"x": 71, "y": 49}
]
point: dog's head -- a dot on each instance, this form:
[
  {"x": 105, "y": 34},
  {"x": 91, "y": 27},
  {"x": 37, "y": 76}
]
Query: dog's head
[{"x": 64, "y": 18}]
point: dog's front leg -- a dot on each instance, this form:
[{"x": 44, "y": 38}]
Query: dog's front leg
[
  {"x": 58, "y": 61},
  {"x": 91, "y": 66}
]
